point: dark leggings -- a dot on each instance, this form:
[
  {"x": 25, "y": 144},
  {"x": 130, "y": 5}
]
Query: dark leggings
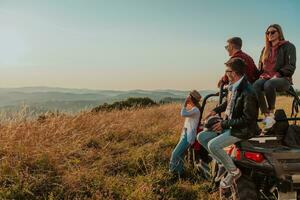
[{"x": 269, "y": 88}]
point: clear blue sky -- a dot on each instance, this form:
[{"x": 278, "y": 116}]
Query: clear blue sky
[{"x": 132, "y": 44}]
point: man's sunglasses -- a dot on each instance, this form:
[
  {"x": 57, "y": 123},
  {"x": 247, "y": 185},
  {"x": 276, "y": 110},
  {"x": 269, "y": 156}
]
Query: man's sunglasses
[
  {"x": 228, "y": 71},
  {"x": 271, "y": 32}
]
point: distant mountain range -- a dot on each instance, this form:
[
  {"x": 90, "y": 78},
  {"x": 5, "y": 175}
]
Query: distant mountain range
[{"x": 72, "y": 100}]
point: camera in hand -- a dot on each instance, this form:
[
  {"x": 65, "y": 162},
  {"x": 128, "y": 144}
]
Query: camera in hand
[{"x": 211, "y": 121}]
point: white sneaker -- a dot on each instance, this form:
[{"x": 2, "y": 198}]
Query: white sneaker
[
  {"x": 269, "y": 121},
  {"x": 231, "y": 178}
]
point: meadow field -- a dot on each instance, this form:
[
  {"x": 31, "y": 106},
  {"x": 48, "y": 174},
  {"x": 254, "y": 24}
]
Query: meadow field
[{"x": 106, "y": 155}]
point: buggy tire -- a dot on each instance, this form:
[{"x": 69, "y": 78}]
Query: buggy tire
[{"x": 244, "y": 189}]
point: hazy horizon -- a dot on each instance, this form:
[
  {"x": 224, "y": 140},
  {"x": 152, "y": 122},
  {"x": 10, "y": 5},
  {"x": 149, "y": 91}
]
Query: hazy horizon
[{"x": 134, "y": 44}]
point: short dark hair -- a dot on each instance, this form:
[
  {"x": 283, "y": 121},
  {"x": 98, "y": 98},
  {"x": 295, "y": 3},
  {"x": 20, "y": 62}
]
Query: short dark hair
[
  {"x": 237, "y": 65},
  {"x": 236, "y": 41}
]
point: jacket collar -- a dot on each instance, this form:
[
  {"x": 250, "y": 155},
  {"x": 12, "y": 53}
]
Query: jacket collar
[
  {"x": 236, "y": 53},
  {"x": 242, "y": 85}
]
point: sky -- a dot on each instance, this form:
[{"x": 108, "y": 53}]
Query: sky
[{"x": 133, "y": 44}]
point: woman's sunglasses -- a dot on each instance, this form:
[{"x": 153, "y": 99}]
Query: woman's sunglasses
[{"x": 271, "y": 32}]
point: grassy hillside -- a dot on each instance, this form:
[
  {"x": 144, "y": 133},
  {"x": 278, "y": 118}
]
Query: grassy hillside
[
  {"x": 75, "y": 100},
  {"x": 108, "y": 155}
]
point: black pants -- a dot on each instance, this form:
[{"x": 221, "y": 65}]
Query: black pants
[{"x": 269, "y": 87}]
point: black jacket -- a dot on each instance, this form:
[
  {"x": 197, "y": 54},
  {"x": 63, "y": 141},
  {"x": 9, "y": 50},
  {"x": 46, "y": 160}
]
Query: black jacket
[
  {"x": 285, "y": 60},
  {"x": 243, "y": 123}
]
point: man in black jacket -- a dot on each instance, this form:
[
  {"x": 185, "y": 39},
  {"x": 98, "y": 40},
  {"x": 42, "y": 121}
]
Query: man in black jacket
[{"x": 240, "y": 120}]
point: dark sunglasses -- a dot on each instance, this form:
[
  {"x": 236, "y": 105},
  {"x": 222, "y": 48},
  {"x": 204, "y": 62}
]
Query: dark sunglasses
[
  {"x": 271, "y": 32},
  {"x": 228, "y": 71}
]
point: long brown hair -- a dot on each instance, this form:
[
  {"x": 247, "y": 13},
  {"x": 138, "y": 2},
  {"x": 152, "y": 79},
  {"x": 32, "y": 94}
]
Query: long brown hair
[
  {"x": 279, "y": 29},
  {"x": 266, "y": 53}
]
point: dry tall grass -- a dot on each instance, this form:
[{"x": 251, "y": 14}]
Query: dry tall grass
[{"x": 109, "y": 155}]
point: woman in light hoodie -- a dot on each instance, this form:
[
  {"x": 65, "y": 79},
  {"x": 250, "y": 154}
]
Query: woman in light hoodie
[{"x": 191, "y": 112}]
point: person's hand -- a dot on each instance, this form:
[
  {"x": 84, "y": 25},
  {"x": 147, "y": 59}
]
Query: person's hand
[
  {"x": 221, "y": 82},
  {"x": 277, "y": 75},
  {"x": 211, "y": 113},
  {"x": 187, "y": 99},
  {"x": 217, "y": 127}
]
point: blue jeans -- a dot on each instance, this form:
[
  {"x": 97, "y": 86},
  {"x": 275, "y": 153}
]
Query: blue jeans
[
  {"x": 215, "y": 145},
  {"x": 177, "y": 157}
]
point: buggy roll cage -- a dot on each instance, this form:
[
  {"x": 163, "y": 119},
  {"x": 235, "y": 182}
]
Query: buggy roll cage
[{"x": 223, "y": 92}]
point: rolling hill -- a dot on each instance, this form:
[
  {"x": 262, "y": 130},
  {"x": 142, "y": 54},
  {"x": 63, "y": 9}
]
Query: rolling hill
[{"x": 74, "y": 100}]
